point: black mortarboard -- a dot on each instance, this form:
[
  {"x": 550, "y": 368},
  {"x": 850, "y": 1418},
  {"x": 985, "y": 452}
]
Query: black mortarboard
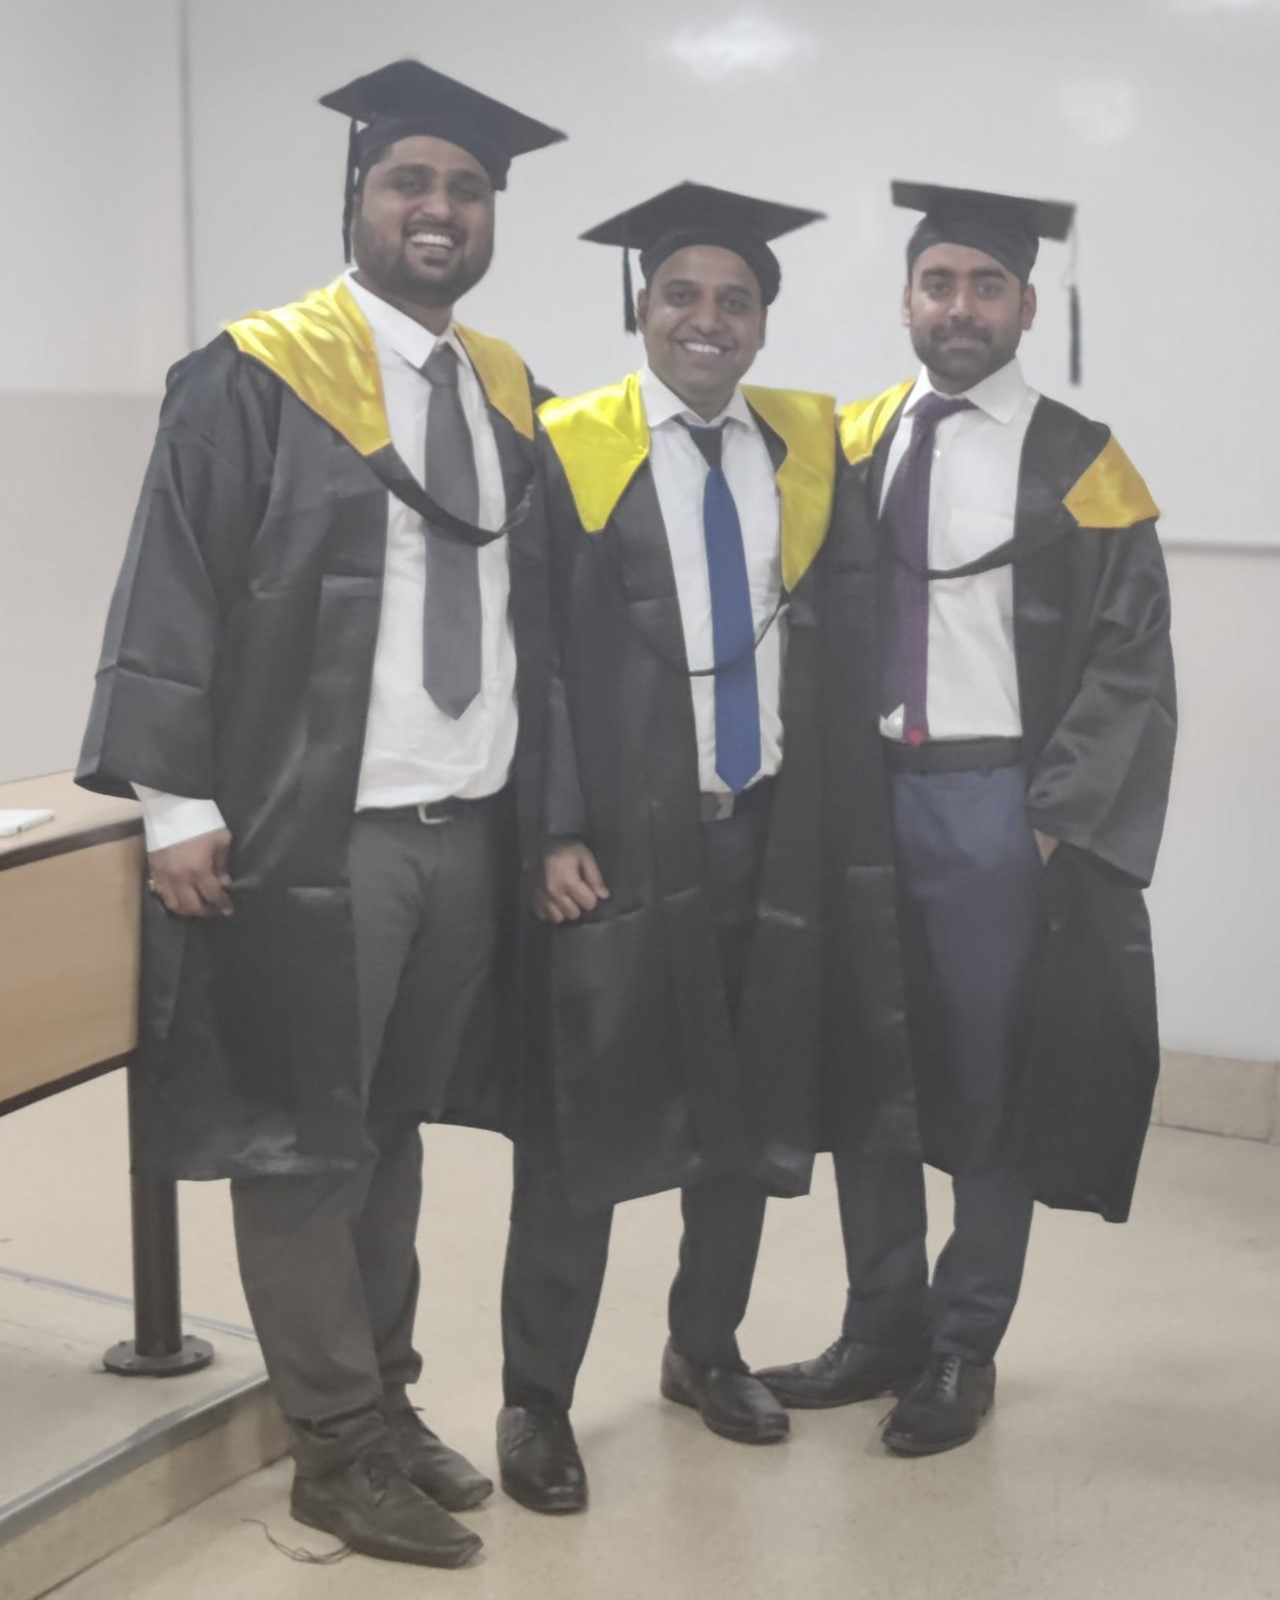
[
  {"x": 407, "y": 98},
  {"x": 696, "y": 213},
  {"x": 1007, "y": 227}
]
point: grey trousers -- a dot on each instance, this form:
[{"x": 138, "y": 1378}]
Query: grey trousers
[{"x": 329, "y": 1262}]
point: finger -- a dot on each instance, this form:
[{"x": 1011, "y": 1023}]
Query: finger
[
  {"x": 187, "y": 901},
  {"x": 221, "y": 852},
  {"x": 581, "y": 894},
  {"x": 164, "y": 893},
  {"x": 590, "y": 869},
  {"x": 211, "y": 891},
  {"x": 567, "y": 907}
]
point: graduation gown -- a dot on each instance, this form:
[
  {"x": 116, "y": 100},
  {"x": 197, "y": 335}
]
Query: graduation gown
[
  {"x": 237, "y": 665},
  {"x": 1096, "y": 685},
  {"x": 650, "y": 1086}
]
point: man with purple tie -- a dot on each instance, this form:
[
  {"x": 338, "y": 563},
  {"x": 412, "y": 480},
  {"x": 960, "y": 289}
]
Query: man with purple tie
[
  {"x": 683, "y": 874},
  {"x": 1028, "y": 718}
]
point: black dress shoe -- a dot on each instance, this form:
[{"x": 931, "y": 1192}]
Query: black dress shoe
[
  {"x": 372, "y": 1506},
  {"x": 943, "y": 1409},
  {"x": 846, "y": 1372},
  {"x": 538, "y": 1459},
  {"x": 735, "y": 1405},
  {"x": 450, "y": 1479}
]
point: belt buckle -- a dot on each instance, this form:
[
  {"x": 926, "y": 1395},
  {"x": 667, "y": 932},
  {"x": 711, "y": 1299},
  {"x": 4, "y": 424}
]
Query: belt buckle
[{"x": 431, "y": 822}]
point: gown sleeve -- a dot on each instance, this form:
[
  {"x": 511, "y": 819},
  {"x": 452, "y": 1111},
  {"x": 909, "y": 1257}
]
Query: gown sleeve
[
  {"x": 1101, "y": 782},
  {"x": 152, "y": 717}
]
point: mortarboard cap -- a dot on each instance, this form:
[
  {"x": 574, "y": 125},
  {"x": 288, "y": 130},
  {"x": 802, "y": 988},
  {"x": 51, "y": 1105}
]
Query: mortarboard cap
[
  {"x": 696, "y": 213},
  {"x": 408, "y": 98},
  {"x": 1007, "y": 227}
]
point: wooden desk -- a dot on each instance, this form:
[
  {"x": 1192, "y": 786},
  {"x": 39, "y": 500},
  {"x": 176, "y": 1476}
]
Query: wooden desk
[{"x": 69, "y": 901}]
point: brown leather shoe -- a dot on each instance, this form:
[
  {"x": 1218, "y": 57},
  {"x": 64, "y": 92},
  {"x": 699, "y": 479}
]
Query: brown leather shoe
[
  {"x": 943, "y": 1409},
  {"x": 846, "y": 1372},
  {"x": 735, "y": 1405},
  {"x": 538, "y": 1459},
  {"x": 371, "y": 1505},
  {"x": 449, "y": 1478}
]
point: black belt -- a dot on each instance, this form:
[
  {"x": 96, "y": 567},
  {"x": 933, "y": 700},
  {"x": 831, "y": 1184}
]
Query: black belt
[
  {"x": 432, "y": 812},
  {"x": 720, "y": 807},
  {"x": 951, "y": 755}
]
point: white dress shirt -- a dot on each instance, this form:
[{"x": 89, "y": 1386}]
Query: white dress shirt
[
  {"x": 679, "y": 476},
  {"x": 972, "y": 686},
  {"x": 412, "y": 751}
]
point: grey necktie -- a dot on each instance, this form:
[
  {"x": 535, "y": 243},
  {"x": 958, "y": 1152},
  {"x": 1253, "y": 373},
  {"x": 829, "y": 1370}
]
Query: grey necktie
[{"x": 451, "y": 613}]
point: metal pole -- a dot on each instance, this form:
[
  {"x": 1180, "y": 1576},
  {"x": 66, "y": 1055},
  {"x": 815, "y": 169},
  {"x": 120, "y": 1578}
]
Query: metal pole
[{"x": 158, "y": 1348}]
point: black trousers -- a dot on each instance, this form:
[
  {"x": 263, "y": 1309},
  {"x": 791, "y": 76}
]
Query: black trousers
[
  {"x": 971, "y": 885},
  {"x": 556, "y": 1257}
]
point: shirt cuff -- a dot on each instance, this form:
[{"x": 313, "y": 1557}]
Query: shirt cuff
[{"x": 171, "y": 819}]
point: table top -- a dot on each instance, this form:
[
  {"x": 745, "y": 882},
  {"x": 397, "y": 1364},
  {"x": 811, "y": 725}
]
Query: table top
[{"x": 80, "y": 819}]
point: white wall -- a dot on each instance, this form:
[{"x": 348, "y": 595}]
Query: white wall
[
  {"x": 1158, "y": 117},
  {"x": 1156, "y": 114},
  {"x": 1217, "y": 889},
  {"x": 93, "y": 282}
]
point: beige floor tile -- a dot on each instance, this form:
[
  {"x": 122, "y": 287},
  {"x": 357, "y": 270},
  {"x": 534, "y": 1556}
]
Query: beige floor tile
[{"x": 1134, "y": 1455}]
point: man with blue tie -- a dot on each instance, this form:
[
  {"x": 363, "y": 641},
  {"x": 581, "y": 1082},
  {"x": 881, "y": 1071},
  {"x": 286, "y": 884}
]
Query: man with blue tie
[{"x": 682, "y": 876}]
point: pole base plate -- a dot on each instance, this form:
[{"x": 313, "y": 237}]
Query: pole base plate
[{"x": 123, "y": 1359}]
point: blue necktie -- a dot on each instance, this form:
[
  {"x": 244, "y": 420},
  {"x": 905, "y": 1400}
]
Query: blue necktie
[{"x": 733, "y": 630}]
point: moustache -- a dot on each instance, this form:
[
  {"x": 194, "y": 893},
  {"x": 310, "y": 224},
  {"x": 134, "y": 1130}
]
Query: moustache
[{"x": 962, "y": 330}]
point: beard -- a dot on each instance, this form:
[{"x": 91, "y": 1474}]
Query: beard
[
  {"x": 389, "y": 267},
  {"x": 963, "y": 367}
]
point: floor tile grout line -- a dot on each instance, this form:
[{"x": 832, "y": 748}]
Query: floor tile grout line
[{"x": 107, "y": 1298}]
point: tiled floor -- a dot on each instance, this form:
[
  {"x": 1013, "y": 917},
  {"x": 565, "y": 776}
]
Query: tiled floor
[{"x": 1134, "y": 1455}]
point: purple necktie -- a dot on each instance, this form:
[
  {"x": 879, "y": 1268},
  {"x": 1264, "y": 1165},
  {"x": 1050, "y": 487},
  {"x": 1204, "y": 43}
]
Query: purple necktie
[{"x": 904, "y": 672}]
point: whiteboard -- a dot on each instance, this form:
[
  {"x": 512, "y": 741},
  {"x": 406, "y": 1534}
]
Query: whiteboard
[{"x": 1157, "y": 117}]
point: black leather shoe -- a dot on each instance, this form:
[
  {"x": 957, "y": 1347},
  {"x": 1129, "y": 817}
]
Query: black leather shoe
[
  {"x": 735, "y": 1405},
  {"x": 372, "y": 1506},
  {"x": 450, "y": 1479},
  {"x": 538, "y": 1459},
  {"x": 846, "y": 1372},
  {"x": 943, "y": 1409}
]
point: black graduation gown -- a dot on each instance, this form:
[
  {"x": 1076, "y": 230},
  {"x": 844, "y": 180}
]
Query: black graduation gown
[
  {"x": 237, "y": 665},
  {"x": 649, "y": 1085},
  {"x": 1096, "y": 684}
]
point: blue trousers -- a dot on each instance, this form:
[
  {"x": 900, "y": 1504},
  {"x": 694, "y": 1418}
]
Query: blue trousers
[{"x": 971, "y": 908}]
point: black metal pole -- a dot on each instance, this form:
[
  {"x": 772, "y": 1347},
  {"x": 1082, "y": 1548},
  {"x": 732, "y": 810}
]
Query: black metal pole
[{"x": 158, "y": 1348}]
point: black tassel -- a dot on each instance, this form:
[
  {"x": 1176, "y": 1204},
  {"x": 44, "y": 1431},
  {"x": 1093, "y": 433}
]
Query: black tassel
[
  {"x": 349, "y": 198},
  {"x": 628, "y": 297},
  {"x": 1074, "y": 309}
]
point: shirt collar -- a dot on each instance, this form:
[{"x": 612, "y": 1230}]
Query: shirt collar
[
  {"x": 1001, "y": 394},
  {"x": 391, "y": 327},
  {"x": 662, "y": 404}
]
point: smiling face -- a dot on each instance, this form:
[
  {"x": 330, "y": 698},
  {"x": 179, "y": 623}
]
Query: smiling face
[
  {"x": 967, "y": 314},
  {"x": 423, "y": 230},
  {"x": 703, "y": 321}
]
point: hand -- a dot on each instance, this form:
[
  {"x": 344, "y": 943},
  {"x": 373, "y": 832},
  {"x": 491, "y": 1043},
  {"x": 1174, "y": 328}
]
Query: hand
[
  {"x": 571, "y": 882},
  {"x": 1046, "y": 844},
  {"x": 191, "y": 879}
]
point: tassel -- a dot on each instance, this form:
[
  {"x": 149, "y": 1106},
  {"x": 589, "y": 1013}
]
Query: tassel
[
  {"x": 349, "y": 199},
  {"x": 628, "y": 296},
  {"x": 1074, "y": 309}
]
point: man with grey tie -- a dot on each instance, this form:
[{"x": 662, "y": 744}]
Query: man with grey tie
[{"x": 324, "y": 676}]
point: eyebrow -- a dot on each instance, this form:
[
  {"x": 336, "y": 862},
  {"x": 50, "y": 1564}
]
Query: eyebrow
[
  {"x": 425, "y": 169},
  {"x": 997, "y": 273}
]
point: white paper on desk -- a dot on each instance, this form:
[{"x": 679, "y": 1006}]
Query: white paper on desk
[{"x": 20, "y": 821}]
